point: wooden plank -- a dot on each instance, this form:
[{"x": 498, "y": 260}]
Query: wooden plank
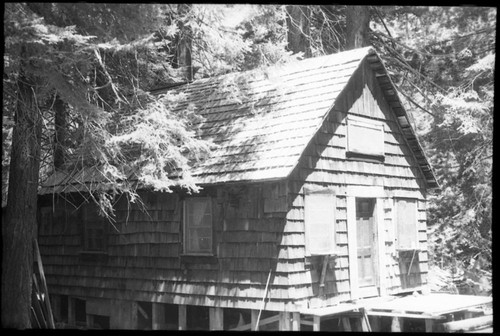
[
  {"x": 379, "y": 213},
  {"x": 216, "y": 318},
  {"x": 295, "y": 321},
  {"x": 316, "y": 323},
  {"x": 468, "y": 324},
  {"x": 284, "y": 321},
  {"x": 254, "y": 314},
  {"x": 351, "y": 229},
  {"x": 158, "y": 315},
  {"x": 346, "y": 324},
  {"x": 182, "y": 317}
]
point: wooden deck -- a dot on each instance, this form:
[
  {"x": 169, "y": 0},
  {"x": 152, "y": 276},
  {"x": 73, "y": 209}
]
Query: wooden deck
[
  {"x": 433, "y": 305},
  {"x": 431, "y": 308}
]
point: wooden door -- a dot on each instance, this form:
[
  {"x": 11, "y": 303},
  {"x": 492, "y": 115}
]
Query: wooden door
[{"x": 366, "y": 242}]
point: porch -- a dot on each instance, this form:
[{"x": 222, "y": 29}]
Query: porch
[{"x": 438, "y": 311}]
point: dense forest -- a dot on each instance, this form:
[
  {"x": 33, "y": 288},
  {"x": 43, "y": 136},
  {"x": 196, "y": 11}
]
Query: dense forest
[{"x": 77, "y": 89}]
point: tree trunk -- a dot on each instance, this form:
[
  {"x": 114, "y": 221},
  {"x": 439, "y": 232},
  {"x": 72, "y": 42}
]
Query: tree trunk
[
  {"x": 21, "y": 214},
  {"x": 298, "y": 21},
  {"x": 357, "y": 26},
  {"x": 60, "y": 132},
  {"x": 183, "y": 58}
]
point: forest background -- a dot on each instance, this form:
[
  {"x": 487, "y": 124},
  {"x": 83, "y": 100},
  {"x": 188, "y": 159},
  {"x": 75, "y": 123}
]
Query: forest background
[{"x": 73, "y": 72}]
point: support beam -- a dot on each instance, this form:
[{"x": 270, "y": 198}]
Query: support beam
[
  {"x": 158, "y": 318},
  {"x": 316, "y": 323},
  {"x": 216, "y": 318},
  {"x": 182, "y": 317},
  {"x": 295, "y": 321},
  {"x": 429, "y": 325},
  {"x": 346, "y": 324},
  {"x": 284, "y": 321},
  {"x": 396, "y": 325},
  {"x": 351, "y": 238},
  {"x": 71, "y": 311},
  {"x": 254, "y": 314}
]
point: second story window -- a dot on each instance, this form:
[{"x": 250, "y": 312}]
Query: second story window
[
  {"x": 198, "y": 236},
  {"x": 365, "y": 138}
]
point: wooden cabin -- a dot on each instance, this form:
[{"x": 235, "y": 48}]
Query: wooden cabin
[{"x": 315, "y": 197}]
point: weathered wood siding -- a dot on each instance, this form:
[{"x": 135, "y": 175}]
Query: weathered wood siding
[
  {"x": 324, "y": 163},
  {"x": 144, "y": 260}
]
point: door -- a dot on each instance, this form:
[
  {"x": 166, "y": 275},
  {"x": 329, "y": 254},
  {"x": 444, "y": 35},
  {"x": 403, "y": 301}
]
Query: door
[{"x": 366, "y": 241}]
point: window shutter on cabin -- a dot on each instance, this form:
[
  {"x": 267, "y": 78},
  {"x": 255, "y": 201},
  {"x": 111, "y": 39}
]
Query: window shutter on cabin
[
  {"x": 365, "y": 136},
  {"x": 406, "y": 224},
  {"x": 320, "y": 223}
]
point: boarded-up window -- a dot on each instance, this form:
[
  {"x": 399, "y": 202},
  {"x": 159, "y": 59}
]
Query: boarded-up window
[
  {"x": 406, "y": 224},
  {"x": 198, "y": 226},
  {"x": 319, "y": 210},
  {"x": 95, "y": 229},
  {"x": 365, "y": 136}
]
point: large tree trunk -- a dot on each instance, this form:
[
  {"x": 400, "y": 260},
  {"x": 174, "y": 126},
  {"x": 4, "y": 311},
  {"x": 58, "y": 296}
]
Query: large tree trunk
[
  {"x": 357, "y": 26},
  {"x": 183, "y": 58},
  {"x": 298, "y": 21},
  {"x": 60, "y": 132},
  {"x": 20, "y": 222}
]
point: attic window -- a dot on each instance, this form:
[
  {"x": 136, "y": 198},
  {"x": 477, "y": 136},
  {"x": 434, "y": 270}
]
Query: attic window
[
  {"x": 319, "y": 210},
  {"x": 198, "y": 226},
  {"x": 365, "y": 138}
]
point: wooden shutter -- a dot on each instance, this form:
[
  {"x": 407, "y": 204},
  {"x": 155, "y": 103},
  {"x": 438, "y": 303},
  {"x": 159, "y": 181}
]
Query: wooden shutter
[
  {"x": 406, "y": 224},
  {"x": 320, "y": 223},
  {"x": 365, "y": 136},
  {"x": 198, "y": 226}
]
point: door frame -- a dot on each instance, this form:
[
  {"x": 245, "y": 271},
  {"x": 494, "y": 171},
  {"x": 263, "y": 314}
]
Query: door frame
[{"x": 378, "y": 193}]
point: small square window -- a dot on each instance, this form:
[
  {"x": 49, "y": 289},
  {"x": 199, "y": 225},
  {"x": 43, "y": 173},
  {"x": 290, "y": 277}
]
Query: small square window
[
  {"x": 198, "y": 226},
  {"x": 365, "y": 137}
]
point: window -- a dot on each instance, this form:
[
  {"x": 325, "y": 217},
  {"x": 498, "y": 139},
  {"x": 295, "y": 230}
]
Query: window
[
  {"x": 319, "y": 210},
  {"x": 95, "y": 230},
  {"x": 198, "y": 226},
  {"x": 365, "y": 137},
  {"x": 406, "y": 224}
]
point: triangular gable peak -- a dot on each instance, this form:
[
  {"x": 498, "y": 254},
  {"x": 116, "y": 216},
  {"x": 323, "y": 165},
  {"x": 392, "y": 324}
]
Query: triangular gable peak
[{"x": 371, "y": 95}]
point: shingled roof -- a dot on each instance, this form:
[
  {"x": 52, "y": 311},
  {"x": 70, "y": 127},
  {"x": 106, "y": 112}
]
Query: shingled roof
[{"x": 262, "y": 121}]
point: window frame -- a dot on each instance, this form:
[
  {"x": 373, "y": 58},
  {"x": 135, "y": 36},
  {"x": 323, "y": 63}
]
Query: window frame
[
  {"x": 185, "y": 228},
  {"x": 415, "y": 242},
  {"x": 308, "y": 226},
  {"x": 363, "y": 122}
]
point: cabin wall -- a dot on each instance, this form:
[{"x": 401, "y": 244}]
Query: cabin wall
[
  {"x": 324, "y": 164},
  {"x": 143, "y": 261}
]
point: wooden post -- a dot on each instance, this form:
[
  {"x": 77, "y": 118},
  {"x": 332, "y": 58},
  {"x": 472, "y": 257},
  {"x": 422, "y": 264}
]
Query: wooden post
[
  {"x": 375, "y": 323},
  {"x": 254, "y": 314},
  {"x": 182, "y": 317},
  {"x": 316, "y": 323},
  {"x": 346, "y": 323},
  {"x": 429, "y": 325},
  {"x": 396, "y": 323},
  {"x": 71, "y": 311},
  {"x": 380, "y": 224},
  {"x": 351, "y": 238},
  {"x": 216, "y": 318},
  {"x": 295, "y": 321},
  {"x": 90, "y": 320},
  {"x": 284, "y": 321},
  {"x": 158, "y": 318}
]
